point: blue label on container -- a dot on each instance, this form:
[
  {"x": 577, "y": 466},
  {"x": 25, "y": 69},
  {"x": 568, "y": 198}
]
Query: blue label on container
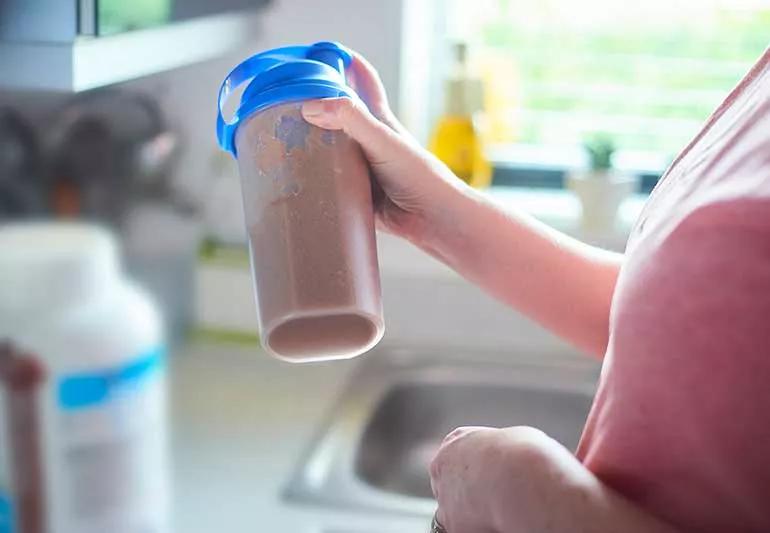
[
  {"x": 6, "y": 514},
  {"x": 90, "y": 389}
]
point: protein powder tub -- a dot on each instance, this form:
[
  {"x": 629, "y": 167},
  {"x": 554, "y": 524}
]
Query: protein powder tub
[
  {"x": 98, "y": 410},
  {"x": 308, "y": 205}
]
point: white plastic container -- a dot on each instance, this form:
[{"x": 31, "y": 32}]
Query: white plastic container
[{"x": 102, "y": 413}]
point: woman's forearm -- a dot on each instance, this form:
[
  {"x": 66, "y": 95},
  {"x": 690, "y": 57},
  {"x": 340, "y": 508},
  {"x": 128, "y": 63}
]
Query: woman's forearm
[
  {"x": 601, "y": 510},
  {"x": 520, "y": 480},
  {"x": 561, "y": 283},
  {"x": 558, "y": 494},
  {"x": 570, "y": 499}
]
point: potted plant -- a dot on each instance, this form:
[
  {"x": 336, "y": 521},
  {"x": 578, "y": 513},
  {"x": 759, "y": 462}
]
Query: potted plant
[{"x": 600, "y": 188}]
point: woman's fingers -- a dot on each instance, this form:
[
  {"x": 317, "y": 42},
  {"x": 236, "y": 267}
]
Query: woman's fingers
[
  {"x": 380, "y": 143},
  {"x": 461, "y": 432},
  {"x": 441, "y": 456},
  {"x": 438, "y": 522},
  {"x": 460, "y": 479},
  {"x": 367, "y": 83}
]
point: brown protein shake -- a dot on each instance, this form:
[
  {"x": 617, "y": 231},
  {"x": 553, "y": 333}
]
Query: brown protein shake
[{"x": 308, "y": 204}]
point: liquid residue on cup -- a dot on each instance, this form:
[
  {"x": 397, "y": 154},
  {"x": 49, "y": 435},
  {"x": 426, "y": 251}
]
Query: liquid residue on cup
[{"x": 308, "y": 204}]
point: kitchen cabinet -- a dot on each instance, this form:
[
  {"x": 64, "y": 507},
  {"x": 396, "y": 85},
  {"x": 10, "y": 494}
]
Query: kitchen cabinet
[{"x": 77, "y": 45}]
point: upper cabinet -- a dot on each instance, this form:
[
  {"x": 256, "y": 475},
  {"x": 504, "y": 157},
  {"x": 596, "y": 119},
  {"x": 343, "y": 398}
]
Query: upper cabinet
[{"x": 75, "y": 45}]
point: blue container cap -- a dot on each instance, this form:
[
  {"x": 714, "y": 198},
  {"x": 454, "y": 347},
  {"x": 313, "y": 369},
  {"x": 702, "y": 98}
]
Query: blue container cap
[{"x": 282, "y": 75}]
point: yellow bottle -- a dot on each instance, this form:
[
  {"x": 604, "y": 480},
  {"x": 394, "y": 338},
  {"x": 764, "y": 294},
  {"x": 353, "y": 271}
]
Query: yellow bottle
[{"x": 457, "y": 139}]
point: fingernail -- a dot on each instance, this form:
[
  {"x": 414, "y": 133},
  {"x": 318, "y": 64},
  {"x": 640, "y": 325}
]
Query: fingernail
[{"x": 314, "y": 108}]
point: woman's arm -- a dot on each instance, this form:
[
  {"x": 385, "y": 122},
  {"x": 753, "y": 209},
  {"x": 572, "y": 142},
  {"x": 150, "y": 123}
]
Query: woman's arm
[
  {"x": 519, "y": 480},
  {"x": 563, "y": 284},
  {"x": 558, "y": 281}
]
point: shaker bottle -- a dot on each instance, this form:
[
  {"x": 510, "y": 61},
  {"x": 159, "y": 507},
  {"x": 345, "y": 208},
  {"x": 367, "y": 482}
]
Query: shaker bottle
[{"x": 308, "y": 206}]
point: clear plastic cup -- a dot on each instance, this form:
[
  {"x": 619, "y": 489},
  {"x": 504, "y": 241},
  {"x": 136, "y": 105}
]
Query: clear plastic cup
[{"x": 308, "y": 205}]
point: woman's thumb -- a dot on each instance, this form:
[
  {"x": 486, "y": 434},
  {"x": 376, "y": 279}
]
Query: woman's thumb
[{"x": 380, "y": 143}]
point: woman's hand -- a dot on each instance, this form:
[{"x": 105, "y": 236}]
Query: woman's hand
[
  {"x": 519, "y": 480},
  {"x": 552, "y": 278},
  {"x": 412, "y": 184},
  {"x": 492, "y": 480}
]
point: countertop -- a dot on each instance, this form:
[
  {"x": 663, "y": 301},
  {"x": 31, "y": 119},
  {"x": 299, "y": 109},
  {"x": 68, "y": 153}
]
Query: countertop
[{"x": 240, "y": 424}]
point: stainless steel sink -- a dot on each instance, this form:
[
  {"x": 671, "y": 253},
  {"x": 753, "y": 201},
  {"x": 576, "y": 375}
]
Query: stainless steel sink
[
  {"x": 373, "y": 451},
  {"x": 412, "y": 420}
]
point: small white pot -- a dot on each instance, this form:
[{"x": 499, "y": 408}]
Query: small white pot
[{"x": 600, "y": 195}]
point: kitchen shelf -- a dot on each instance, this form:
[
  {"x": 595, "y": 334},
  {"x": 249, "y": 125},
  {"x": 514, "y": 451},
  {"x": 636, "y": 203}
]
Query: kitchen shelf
[{"x": 91, "y": 62}]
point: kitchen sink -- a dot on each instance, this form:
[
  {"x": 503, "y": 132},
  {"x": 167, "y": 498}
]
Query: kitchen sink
[
  {"x": 412, "y": 420},
  {"x": 373, "y": 451}
]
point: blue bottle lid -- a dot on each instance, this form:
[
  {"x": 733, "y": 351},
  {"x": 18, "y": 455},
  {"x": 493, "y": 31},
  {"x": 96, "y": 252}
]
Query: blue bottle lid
[{"x": 282, "y": 75}]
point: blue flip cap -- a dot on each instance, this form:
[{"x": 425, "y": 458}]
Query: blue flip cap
[{"x": 282, "y": 75}]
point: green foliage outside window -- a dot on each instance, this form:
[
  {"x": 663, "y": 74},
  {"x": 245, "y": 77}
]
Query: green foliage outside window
[{"x": 648, "y": 76}]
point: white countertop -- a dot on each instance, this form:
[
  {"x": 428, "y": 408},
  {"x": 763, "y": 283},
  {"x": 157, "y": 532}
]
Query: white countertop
[{"x": 240, "y": 423}]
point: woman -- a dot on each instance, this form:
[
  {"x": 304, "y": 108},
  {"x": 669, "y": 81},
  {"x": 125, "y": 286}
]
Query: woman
[{"x": 679, "y": 435}]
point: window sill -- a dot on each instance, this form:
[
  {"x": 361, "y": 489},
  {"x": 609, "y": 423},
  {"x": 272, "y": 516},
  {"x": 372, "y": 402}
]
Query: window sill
[{"x": 546, "y": 166}]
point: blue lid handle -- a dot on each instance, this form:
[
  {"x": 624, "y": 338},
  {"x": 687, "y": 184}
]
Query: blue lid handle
[
  {"x": 244, "y": 72},
  {"x": 317, "y": 84},
  {"x": 332, "y": 54}
]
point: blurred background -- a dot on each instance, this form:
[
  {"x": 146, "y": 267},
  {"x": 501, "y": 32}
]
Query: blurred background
[{"x": 571, "y": 110}]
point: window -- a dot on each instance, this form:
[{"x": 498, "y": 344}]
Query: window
[{"x": 646, "y": 73}]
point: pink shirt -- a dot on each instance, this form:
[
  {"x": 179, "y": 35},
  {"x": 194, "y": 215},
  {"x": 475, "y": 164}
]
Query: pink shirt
[{"x": 681, "y": 421}]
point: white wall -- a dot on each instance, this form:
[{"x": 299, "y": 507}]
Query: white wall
[{"x": 373, "y": 27}]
